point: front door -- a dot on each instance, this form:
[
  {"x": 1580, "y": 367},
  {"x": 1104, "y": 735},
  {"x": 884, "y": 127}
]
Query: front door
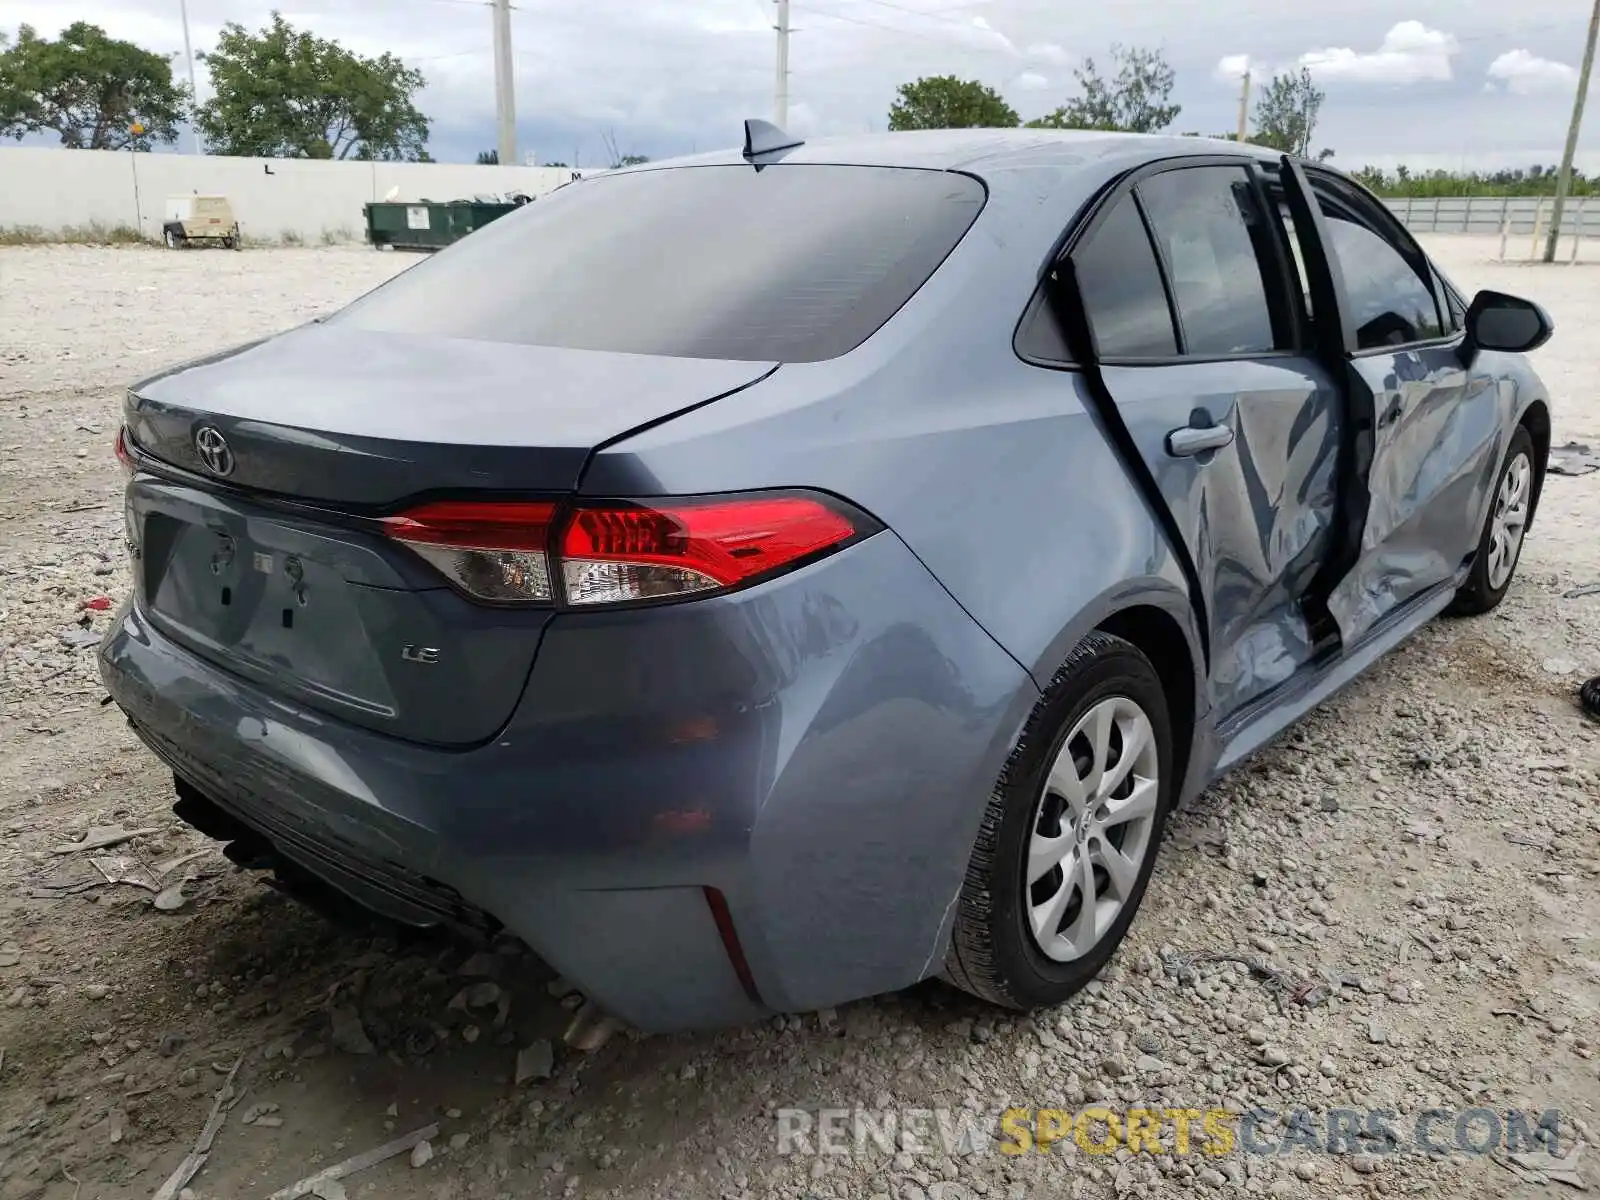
[
  {"x": 1433, "y": 436},
  {"x": 1197, "y": 338}
]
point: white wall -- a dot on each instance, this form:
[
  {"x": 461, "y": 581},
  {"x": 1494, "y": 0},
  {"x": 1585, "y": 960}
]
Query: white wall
[{"x": 53, "y": 189}]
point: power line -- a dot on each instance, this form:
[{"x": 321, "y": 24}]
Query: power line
[
  {"x": 935, "y": 15},
  {"x": 912, "y": 33},
  {"x": 452, "y": 54}
]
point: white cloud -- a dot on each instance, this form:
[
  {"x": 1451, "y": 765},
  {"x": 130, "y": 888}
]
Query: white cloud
[
  {"x": 982, "y": 34},
  {"x": 1232, "y": 68},
  {"x": 1031, "y": 81},
  {"x": 1523, "y": 72},
  {"x": 1410, "y": 53},
  {"x": 1049, "y": 52}
]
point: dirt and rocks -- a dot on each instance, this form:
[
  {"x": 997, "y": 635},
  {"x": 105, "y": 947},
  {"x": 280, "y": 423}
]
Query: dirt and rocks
[{"x": 1398, "y": 907}]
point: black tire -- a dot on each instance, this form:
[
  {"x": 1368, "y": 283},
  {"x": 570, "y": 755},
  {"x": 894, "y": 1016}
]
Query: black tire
[
  {"x": 1478, "y": 595},
  {"x": 993, "y": 953},
  {"x": 1589, "y": 697}
]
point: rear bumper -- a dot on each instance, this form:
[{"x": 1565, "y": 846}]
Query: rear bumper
[{"x": 818, "y": 750}]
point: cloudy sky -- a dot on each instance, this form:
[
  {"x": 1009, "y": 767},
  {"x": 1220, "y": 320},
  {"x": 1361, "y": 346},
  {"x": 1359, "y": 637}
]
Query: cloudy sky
[{"x": 1427, "y": 82}]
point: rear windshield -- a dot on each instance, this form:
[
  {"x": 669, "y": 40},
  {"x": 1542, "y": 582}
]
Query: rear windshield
[{"x": 789, "y": 264}]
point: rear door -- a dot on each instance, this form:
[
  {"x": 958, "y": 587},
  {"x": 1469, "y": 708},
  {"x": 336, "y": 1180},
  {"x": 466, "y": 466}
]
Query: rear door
[
  {"x": 1433, "y": 437},
  {"x": 1197, "y": 334}
]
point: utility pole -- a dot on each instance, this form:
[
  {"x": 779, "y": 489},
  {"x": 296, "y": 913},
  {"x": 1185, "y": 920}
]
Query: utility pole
[
  {"x": 780, "y": 82},
  {"x": 188, "y": 53},
  {"x": 1244, "y": 105},
  {"x": 505, "y": 89},
  {"x": 1564, "y": 180}
]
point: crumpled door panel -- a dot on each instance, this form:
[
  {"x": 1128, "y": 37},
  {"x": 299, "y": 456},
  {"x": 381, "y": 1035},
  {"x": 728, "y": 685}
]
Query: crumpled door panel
[
  {"x": 1436, "y": 446},
  {"x": 1255, "y": 514}
]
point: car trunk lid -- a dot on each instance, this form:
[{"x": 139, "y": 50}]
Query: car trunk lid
[
  {"x": 270, "y": 561},
  {"x": 362, "y": 419}
]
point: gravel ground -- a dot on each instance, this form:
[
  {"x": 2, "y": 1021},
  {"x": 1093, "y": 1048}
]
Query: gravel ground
[{"x": 1396, "y": 907}]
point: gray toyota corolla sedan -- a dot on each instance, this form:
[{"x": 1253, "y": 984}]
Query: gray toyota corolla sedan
[{"x": 766, "y": 579}]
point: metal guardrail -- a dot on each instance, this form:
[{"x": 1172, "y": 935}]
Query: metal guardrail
[{"x": 1494, "y": 215}]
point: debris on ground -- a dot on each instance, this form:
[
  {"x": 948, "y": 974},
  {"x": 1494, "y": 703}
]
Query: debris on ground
[
  {"x": 196, "y": 1158},
  {"x": 347, "y": 1032},
  {"x": 483, "y": 995},
  {"x": 482, "y": 964},
  {"x": 171, "y": 899},
  {"x": 1545, "y": 1167},
  {"x": 1574, "y": 458},
  {"x": 310, "y": 1185},
  {"x": 534, "y": 1062},
  {"x": 590, "y": 1028},
  {"x": 103, "y": 839},
  {"x": 125, "y": 868}
]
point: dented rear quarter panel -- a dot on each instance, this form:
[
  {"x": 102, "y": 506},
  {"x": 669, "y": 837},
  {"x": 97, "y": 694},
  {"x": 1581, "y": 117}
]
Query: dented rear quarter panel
[{"x": 972, "y": 456}]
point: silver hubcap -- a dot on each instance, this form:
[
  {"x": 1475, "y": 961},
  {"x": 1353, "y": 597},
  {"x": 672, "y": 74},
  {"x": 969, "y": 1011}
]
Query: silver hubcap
[
  {"x": 1091, "y": 829},
  {"x": 1509, "y": 520}
]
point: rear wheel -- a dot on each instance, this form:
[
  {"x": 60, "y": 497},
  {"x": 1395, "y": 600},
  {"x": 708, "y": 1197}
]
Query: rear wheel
[
  {"x": 175, "y": 240},
  {"x": 1500, "y": 542},
  {"x": 1070, "y": 836}
]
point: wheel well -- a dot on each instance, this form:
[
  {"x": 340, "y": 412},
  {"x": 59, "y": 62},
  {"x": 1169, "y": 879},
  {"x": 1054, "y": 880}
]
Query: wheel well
[
  {"x": 1160, "y": 638},
  {"x": 1537, "y": 422}
]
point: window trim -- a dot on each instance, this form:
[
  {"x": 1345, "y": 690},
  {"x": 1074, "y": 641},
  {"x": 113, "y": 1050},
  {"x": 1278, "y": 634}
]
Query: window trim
[
  {"x": 1180, "y": 335},
  {"x": 1392, "y": 230},
  {"x": 1093, "y": 215}
]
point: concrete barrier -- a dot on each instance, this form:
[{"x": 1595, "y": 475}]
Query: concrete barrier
[{"x": 275, "y": 199}]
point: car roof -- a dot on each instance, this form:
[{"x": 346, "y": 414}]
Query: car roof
[{"x": 987, "y": 153}]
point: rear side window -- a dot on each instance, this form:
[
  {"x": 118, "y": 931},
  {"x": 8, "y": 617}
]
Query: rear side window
[
  {"x": 1198, "y": 216},
  {"x": 1121, "y": 287},
  {"x": 792, "y": 263}
]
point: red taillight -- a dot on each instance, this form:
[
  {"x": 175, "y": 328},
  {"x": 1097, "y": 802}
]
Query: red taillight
[
  {"x": 612, "y": 552},
  {"x": 617, "y": 553},
  {"x": 124, "y": 458}
]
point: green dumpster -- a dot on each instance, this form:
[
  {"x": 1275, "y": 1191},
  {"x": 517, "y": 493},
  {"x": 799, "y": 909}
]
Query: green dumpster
[{"x": 428, "y": 224}]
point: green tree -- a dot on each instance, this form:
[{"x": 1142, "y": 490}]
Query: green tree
[
  {"x": 284, "y": 93},
  {"x": 1286, "y": 114},
  {"x": 488, "y": 158},
  {"x": 617, "y": 157},
  {"x": 1521, "y": 181},
  {"x": 94, "y": 92},
  {"x": 945, "y": 102},
  {"x": 1137, "y": 99}
]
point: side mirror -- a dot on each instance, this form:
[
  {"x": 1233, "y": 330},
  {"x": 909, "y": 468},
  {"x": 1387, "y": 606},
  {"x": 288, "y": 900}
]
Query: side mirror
[{"x": 1496, "y": 321}]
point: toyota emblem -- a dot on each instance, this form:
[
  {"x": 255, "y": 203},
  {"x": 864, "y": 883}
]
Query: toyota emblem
[{"x": 213, "y": 450}]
